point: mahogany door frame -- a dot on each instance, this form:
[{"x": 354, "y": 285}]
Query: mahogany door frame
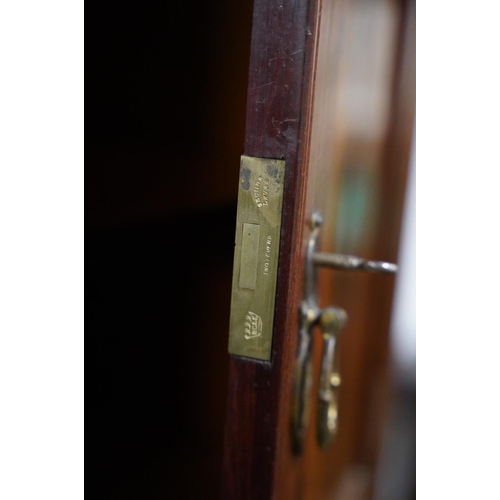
[{"x": 277, "y": 118}]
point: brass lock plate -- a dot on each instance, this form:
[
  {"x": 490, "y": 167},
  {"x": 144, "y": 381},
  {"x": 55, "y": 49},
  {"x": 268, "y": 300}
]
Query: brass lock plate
[{"x": 256, "y": 252}]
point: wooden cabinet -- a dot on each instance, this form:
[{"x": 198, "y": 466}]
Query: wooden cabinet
[{"x": 329, "y": 87}]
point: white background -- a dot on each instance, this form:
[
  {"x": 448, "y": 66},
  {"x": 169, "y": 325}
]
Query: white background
[{"x": 403, "y": 323}]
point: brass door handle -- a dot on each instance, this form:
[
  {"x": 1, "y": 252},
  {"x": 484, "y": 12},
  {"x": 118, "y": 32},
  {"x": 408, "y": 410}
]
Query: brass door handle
[{"x": 332, "y": 321}]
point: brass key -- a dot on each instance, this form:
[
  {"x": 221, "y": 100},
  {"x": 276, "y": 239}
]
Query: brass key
[{"x": 332, "y": 321}]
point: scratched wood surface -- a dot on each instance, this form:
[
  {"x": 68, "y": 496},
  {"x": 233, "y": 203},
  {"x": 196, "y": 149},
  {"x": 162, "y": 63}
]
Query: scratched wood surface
[
  {"x": 305, "y": 59},
  {"x": 276, "y": 119}
]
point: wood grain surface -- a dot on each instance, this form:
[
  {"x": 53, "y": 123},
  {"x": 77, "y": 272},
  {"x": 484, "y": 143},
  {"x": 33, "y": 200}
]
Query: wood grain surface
[
  {"x": 305, "y": 62},
  {"x": 278, "y": 111}
]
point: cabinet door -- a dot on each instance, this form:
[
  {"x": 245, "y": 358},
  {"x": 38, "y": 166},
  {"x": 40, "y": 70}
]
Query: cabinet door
[{"x": 330, "y": 93}]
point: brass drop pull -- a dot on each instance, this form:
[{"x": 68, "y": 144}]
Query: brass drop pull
[{"x": 332, "y": 320}]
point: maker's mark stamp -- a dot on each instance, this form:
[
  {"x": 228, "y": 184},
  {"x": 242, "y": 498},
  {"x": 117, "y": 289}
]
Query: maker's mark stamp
[
  {"x": 261, "y": 192},
  {"x": 253, "y": 325}
]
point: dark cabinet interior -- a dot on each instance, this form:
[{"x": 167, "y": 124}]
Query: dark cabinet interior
[{"x": 165, "y": 112}]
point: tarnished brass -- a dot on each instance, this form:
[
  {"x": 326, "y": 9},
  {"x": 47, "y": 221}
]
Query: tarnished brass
[
  {"x": 332, "y": 321},
  {"x": 249, "y": 261},
  {"x": 256, "y": 252}
]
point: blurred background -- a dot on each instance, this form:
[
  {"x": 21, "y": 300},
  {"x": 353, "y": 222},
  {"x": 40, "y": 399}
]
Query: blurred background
[
  {"x": 166, "y": 88},
  {"x": 396, "y": 471}
]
